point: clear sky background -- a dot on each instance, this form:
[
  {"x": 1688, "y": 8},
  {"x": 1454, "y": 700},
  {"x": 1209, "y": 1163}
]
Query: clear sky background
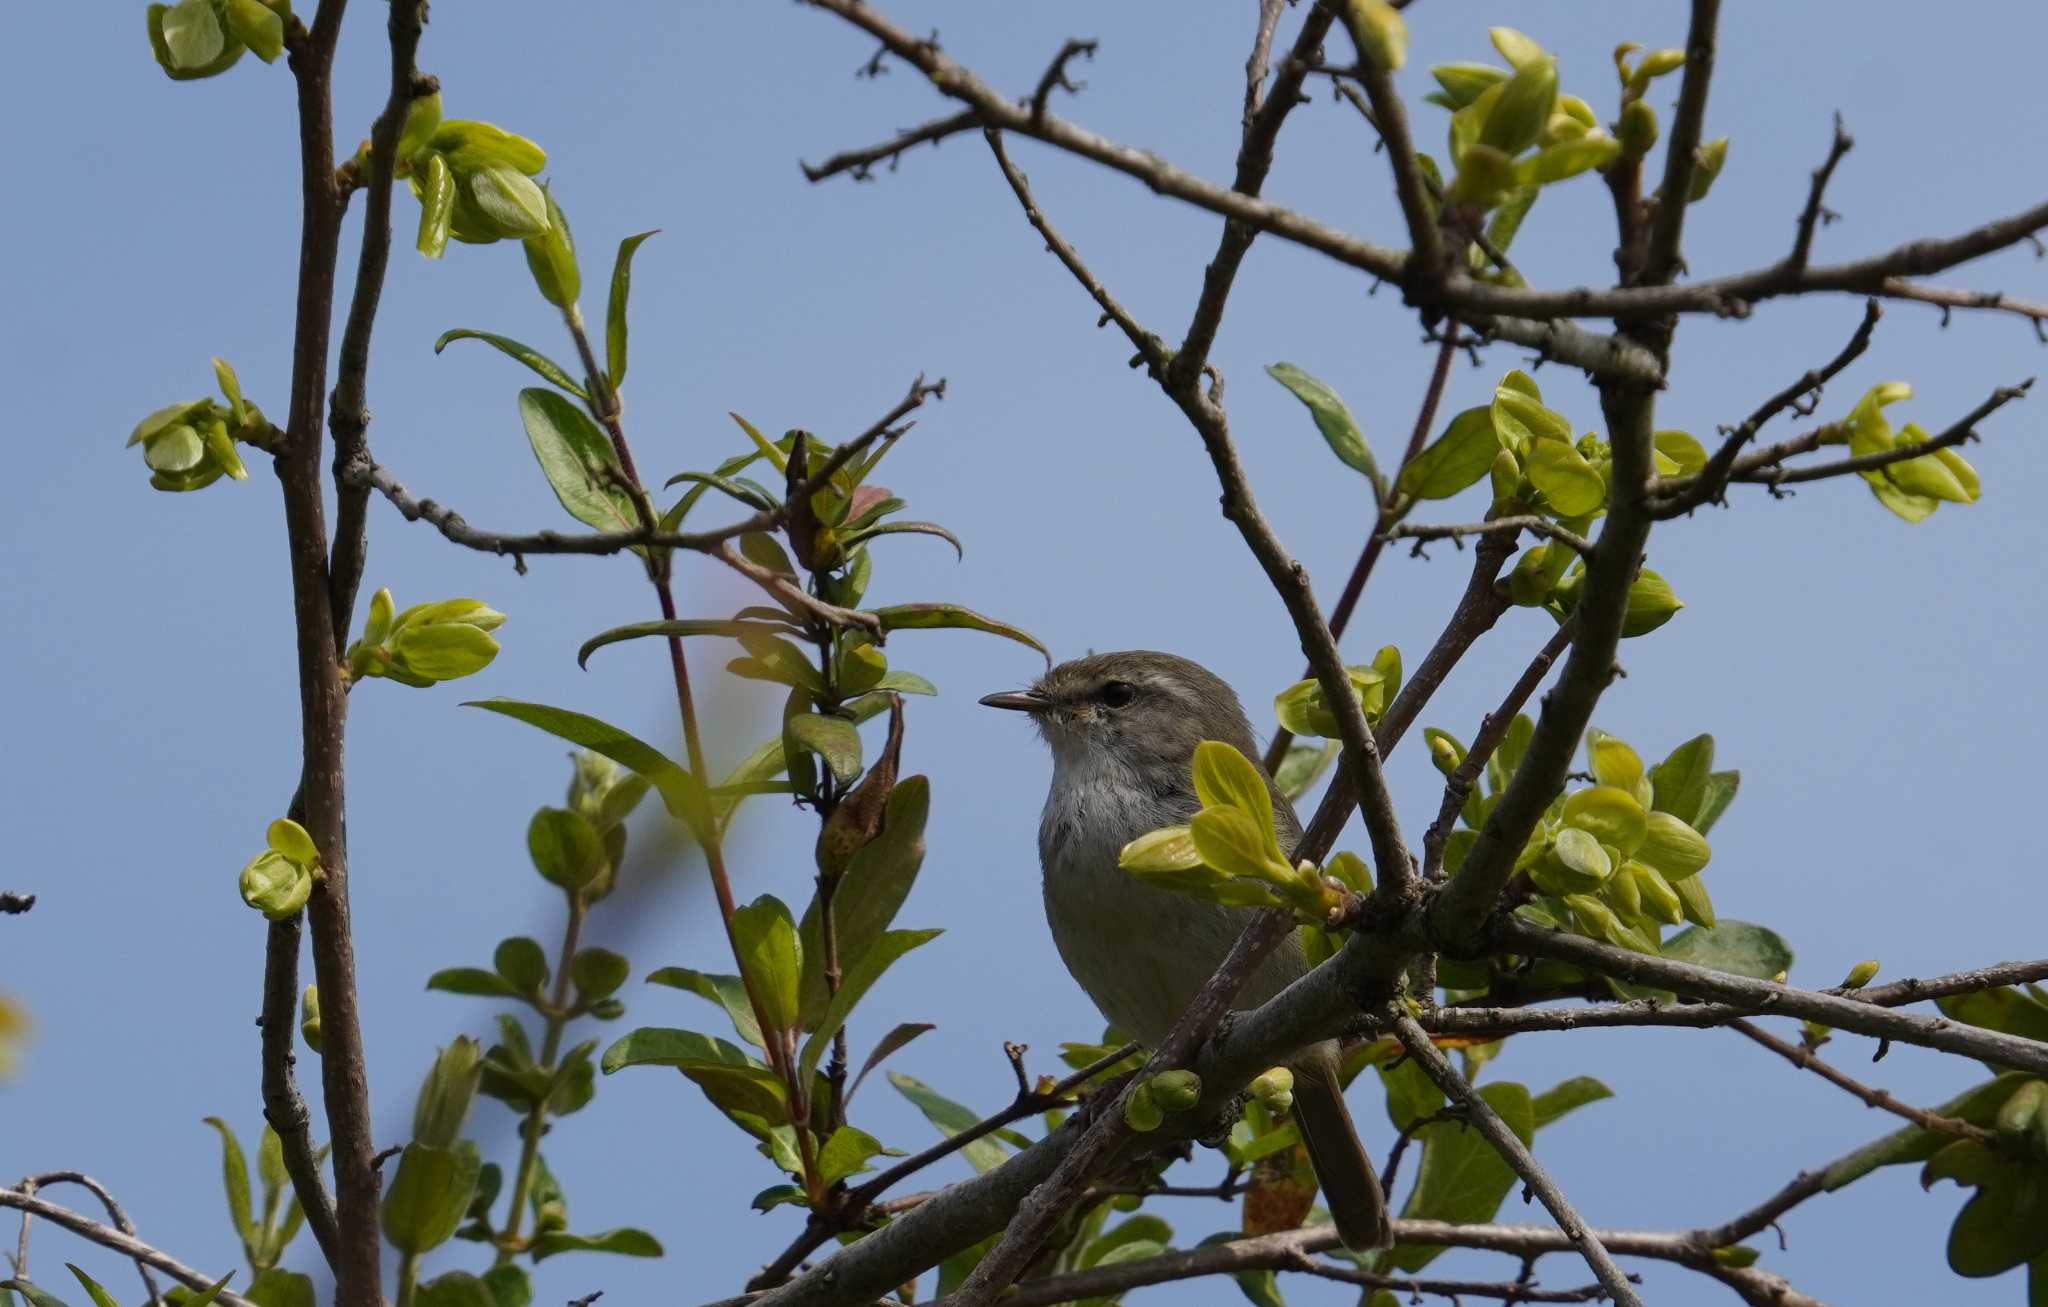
[{"x": 1876, "y": 683}]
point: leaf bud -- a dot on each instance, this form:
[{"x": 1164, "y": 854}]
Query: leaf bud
[
  {"x": 1707, "y": 162},
  {"x": 309, "y": 1017},
  {"x": 1444, "y": 750},
  {"x": 275, "y": 885},
  {"x": 1141, "y": 1110},
  {"x": 1465, "y": 82},
  {"x": 421, "y": 119},
  {"x": 1176, "y": 1091},
  {"x": 1860, "y": 975},
  {"x": 257, "y": 26},
  {"x": 1274, "y": 1089},
  {"x": 1637, "y": 129},
  {"x": 446, "y": 1093},
  {"x": 1380, "y": 32},
  {"x": 1524, "y": 108},
  {"x": 551, "y": 257},
  {"x": 1506, "y": 476}
]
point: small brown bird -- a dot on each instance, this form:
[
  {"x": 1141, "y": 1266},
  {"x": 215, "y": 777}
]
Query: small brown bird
[{"x": 1123, "y": 729}]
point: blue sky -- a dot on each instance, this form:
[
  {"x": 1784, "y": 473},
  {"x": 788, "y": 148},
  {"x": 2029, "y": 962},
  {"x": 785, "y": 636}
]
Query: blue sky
[{"x": 1875, "y": 682}]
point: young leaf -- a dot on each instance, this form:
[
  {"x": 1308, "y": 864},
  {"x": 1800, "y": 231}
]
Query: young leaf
[
  {"x": 234, "y": 1168},
  {"x": 858, "y": 979},
  {"x": 682, "y": 793},
  {"x": 904, "y": 528},
  {"x": 615, "y": 312},
  {"x": 472, "y": 980},
  {"x": 1740, "y": 948},
  {"x": 765, "y": 942},
  {"x": 870, "y": 891},
  {"x": 924, "y": 617},
  {"x": 832, "y": 738},
  {"x": 1333, "y": 419},
  {"x": 1567, "y": 1096},
  {"x": 726, "y": 991},
  {"x": 745, "y": 489},
  {"x": 1459, "y": 458},
  {"x": 897, "y": 1037},
  {"x": 685, "y": 627},
  {"x": 625, "y": 1241},
  {"x": 93, "y": 1288},
  {"x": 526, "y": 354},
  {"x": 578, "y": 459},
  {"x": 846, "y": 1153},
  {"x": 984, "y": 1154}
]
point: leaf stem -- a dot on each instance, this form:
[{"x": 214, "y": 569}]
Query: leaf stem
[{"x": 555, "y": 1017}]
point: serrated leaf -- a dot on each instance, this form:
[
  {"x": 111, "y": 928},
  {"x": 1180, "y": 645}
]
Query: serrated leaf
[{"x": 527, "y": 354}]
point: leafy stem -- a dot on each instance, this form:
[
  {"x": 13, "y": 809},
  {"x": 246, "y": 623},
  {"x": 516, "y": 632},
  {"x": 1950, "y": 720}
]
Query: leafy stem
[{"x": 555, "y": 1016}]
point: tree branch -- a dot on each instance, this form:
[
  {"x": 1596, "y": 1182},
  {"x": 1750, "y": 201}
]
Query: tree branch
[
  {"x": 322, "y": 701},
  {"x": 1770, "y": 998},
  {"x": 283, "y": 1106},
  {"x": 115, "y": 1213},
  {"x": 1765, "y": 469},
  {"x": 1516, "y": 1154},
  {"x": 1815, "y": 213},
  {"x": 1542, "y": 527},
  {"x": 860, "y": 163},
  {"x": 1682, "y": 495},
  {"x": 119, "y": 1241},
  {"x": 1877, "y": 1098}
]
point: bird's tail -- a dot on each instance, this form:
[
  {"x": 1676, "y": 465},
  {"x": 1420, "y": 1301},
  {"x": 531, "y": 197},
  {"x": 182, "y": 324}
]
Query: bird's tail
[{"x": 1351, "y": 1189}]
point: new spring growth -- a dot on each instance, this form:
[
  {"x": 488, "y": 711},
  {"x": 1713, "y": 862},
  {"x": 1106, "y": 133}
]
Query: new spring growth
[
  {"x": 191, "y": 445},
  {"x": 202, "y": 38},
  {"x": 309, "y": 1017},
  {"x": 1380, "y": 32},
  {"x": 1912, "y": 488},
  {"x": 1860, "y": 975},
  {"x": 426, "y": 643},
  {"x": 1498, "y": 114},
  {"x": 1274, "y": 1090},
  {"x": 474, "y": 181},
  {"x": 446, "y": 1094},
  {"x": 1303, "y": 710},
  {"x": 278, "y": 881},
  {"x": 1230, "y": 852}
]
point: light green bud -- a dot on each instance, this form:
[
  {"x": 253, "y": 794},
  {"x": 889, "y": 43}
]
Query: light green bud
[
  {"x": 1443, "y": 750},
  {"x": 1141, "y": 1110},
  {"x": 1274, "y": 1089},
  {"x": 1524, "y": 108},
  {"x": 1465, "y": 82},
  {"x": 421, "y": 120},
  {"x": 1176, "y": 1091},
  {"x": 1505, "y": 476},
  {"x": 551, "y": 257},
  {"x": 1637, "y": 129},
  {"x": 1379, "y": 31},
  {"x": 1707, "y": 162},
  {"x": 309, "y": 1017},
  {"x": 446, "y": 1093},
  {"x": 1860, "y": 975},
  {"x": 275, "y": 885},
  {"x": 257, "y": 25}
]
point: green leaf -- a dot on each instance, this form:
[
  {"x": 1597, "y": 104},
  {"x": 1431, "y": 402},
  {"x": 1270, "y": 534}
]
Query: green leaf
[
  {"x": 2004, "y": 1225},
  {"x": 281, "y": 1288},
  {"x": 685, "y": 627},
  {"x": 2010, "y": 1009},
  {"x": 726, "y": 991},
  {"x": 454, "y": 1289},
  {"x": 36, "y": 1296},
  {"x": 1566, "y": 1097},
  {"x": 1459, "y": 458},
  {"x": 870, "y": 891},
  {"x": 625, "y": 1241},
  {"x": 858, "y": 979},
  {"x": 93, "y": 1288},
  {"x": 846, "y": 1153},
  {"x": 597, "y": 973},
  {"x": 1303, "y": 766},
  {"x": 897, "y": 1037},
  {"x": 429, "y": 1195},
  {"x": 566, "y": 849},
  {"x": 472, "y": 980},
  {"x": 234, "y": 1169},
  {"x": 526, "y": 354},
  {"x": 1739, "y": 948},
  {"x": 1462, "y": 1178},
  {"x": 1148, "y": 1233},
  {"x": 904, "y": 528},
  {"x": 743, "y": 489},
  {"x": 925, "y": 617},
  {"x": 903, "y": 682},
  {"x": 1333, "y": 419},
  {"x": 615, "y": 312},
  {"x": 192, "y": 32},
  {"x": 578, "y": 459},
  {"x": 507, "y": 199},
  {"x": 1720, "y": 792},
  {"x": 1680, "y": 781},
  {"x": 509, "y": 1285},
  {"x": 984, "y": 1154},
  {"x": 832, "y": 738},
  {"x": 1571, "y": 484},
  {"x": 765, "y": 942},
  {"x": 522, "y": 963},
  {"x": 1977, "y": 1105},
  {"x": 662, "y": 1046},
  {"x": 680, "y": 792},
  {"x": 1411, "y": 1094}
]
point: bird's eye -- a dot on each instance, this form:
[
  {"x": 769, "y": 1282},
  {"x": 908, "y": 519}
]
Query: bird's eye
[{"x": 1118, "y": 693}]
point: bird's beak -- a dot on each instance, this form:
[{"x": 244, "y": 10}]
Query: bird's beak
[{"x": 1017, "y": 700}]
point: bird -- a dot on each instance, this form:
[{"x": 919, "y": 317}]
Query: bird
[{"x": 1122, "y": 728}]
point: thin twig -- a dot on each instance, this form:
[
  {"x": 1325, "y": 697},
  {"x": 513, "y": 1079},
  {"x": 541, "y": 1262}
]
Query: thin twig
[
  {"x": 119, "y": 1241},
  {"x": 1507, "y": 526},
  {"x": 1770, "y": 998},
  {"x": 1516, "y": 1154},
  {"x": 1766, "y": 470},
  {"x": 860, "y": 163},
  {"x": 1682, "y": 495},
  {"x": 1667, "y": 224},
  {"x": 1055, "y": 75},
  {"x": 1877, "y": 1098},
  {"x": 1816, "y": 214},
  {"x": 1492, "y": 730},
  {"x": 115, "y": 1213}
]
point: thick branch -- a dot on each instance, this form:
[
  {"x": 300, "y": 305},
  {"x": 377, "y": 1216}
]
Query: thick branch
[
  {"x": 1517, "y": 1155},
  {"x": 322, "y": 701},
  {"x": 1770, "y": 998},
  {"x": 119, "y": 1241}
]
